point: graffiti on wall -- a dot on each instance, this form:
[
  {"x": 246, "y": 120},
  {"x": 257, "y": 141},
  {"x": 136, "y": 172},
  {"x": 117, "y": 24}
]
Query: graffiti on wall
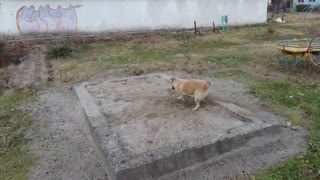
[{"x": 47, "y": 19}]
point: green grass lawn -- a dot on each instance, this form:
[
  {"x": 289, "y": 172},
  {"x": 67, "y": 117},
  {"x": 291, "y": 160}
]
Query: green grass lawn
[
  {"x": 15, "y": 159},
  {"x": 289, "y": 95}
]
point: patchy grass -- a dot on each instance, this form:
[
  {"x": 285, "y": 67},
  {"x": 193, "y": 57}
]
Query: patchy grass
[
  {"x": 15, "y": 159},
  {"x": 152, "y": 54},
  {"x": 206, "y": 46},
  {"x": 75, "y": 70},
  {"x": 155, "y": 66},
  {"x": 139, "y": 54},
  {"x": 236, "y": 75},
  {"x": 300, "y": 104},
  {"x": 227, "y": 60},
  {"x": 288, "y": 94}
]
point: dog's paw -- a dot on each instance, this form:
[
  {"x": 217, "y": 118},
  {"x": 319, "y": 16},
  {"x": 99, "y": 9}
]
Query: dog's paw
[{"x": 181, "y": 98}]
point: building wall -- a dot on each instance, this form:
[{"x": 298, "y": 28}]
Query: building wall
[{"x": 47, "y": 16}]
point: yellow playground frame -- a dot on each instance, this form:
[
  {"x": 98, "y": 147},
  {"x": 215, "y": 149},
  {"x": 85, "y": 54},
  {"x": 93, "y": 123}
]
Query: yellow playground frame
[{"x": 298, "y": 48}]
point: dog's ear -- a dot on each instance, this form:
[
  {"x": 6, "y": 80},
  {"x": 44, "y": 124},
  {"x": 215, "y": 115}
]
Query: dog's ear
[{"x": 172, "y": 79}]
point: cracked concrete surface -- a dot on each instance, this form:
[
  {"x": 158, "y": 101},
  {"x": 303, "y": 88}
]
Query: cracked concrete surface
[{"x": 135, "y": 128}]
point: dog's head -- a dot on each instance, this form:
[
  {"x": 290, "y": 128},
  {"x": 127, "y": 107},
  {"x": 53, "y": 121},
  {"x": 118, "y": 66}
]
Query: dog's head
[{"x": 172, "y": 79}]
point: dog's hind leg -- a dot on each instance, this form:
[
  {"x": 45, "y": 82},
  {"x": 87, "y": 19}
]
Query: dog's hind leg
[
  {"x": 197, "y": 104},
  {"x": 198, "y": 97},
  {"x": 181, "y": 97}
]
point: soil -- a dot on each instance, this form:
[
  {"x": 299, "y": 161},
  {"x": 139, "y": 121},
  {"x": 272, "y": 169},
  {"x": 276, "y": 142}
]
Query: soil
[
  {"x": 60, "y": 139},
  {"x": 146, "y": 114}
]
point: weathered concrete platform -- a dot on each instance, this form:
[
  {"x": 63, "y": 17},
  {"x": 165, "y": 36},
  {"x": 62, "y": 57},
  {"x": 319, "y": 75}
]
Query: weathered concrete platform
[{"x": 144, "y": 132}]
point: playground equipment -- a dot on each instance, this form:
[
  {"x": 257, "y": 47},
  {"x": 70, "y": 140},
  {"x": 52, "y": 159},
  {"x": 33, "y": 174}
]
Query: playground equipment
[
  {"x": 224, "y": 23},
  {"x": 299, "y": 48}
]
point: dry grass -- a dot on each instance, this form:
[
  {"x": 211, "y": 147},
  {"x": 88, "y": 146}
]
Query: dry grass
[
  {"x": 70, "y": 71},
  {"x": 249, "y": 49}
]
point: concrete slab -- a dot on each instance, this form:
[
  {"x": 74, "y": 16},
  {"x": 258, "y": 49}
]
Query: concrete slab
[{"x": 145, "y": 132}]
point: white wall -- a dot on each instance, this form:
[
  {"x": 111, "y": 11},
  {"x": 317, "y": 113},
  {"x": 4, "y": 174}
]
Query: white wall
[{"x": 114, "y": 15}]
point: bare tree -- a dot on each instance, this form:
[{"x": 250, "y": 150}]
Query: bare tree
[{"x": 277, "y": 5}]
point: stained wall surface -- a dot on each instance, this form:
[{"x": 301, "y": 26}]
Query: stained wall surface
[{"x": 34, "y": 16}]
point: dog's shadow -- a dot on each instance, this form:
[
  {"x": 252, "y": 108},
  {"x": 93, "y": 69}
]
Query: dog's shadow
[{"x": 189, "y": 102}]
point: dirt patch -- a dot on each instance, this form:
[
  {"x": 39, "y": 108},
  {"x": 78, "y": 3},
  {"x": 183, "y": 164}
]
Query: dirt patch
[
  {"x": 14, "y": 53},
  {"x": 60, "y": 139},
  {"x": 147, "y": 115},
  {"x": 33, "y": 71}
]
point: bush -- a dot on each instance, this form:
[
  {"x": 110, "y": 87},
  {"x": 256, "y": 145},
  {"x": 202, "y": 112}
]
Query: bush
[
  {"x": 59, "y": 51},
  {"x": 301, "y": 7},
  {"x": 5, "y": 57}
]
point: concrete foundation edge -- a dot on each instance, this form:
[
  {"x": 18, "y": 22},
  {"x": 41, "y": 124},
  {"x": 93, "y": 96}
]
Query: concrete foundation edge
[
  {"x": 176, "y": 161},
  {"x": 192, "y": 156}
]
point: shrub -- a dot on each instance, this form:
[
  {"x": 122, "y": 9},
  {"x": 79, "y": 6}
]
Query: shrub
[
  {"x": 301, "y": 7},
  {"x": 59, "y": 51},
  {"x": 271, "y": 30},
  {"x": 7, "y": 58}
]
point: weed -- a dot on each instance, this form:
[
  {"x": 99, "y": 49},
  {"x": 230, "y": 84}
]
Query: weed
[
  {"x": 183, "y": 37},
  {"x": 58, "y": 51},
  {"x": 7, "y": 58},
  {"x": 147, "y": 54},
  {"x": 138, "y": 69},
  {"x": 301, "y": 7},
  {"x": 271, "y": 30},
  {"x": 116, "y": 60},
  {"x": 140, "y": 54},
  {"x": 204, "y": 46},
  {"x": 227, "y": 60},
  {"x": 256, "y": 25},
  {"x": 85, "y": 47}
]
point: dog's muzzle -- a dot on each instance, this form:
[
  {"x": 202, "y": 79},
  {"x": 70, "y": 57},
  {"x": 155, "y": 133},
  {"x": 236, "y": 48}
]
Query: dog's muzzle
[{"x": 172, "y": 87}]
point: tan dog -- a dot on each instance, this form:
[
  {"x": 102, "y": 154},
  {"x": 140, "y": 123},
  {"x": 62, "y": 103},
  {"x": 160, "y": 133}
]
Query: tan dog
[{"x": 193, "y": 87}]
